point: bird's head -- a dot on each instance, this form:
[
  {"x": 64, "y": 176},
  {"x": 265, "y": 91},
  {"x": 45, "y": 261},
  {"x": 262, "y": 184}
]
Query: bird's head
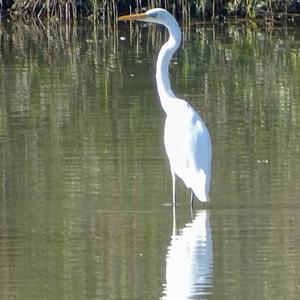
[{"x": 155, "y": 15}]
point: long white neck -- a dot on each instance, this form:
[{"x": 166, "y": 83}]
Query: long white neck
[{"x": 162, "y": 66}]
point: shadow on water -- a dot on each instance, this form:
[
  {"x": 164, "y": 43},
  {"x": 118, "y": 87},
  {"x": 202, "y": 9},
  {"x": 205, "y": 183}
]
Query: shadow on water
[{"x": 189, "y": 260}]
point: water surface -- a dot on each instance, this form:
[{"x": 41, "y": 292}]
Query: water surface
[{"x": 85, "y": 182}]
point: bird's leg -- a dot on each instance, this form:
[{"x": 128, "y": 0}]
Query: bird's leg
[
  {"x": 191, "y": 206},
  {"x": 174, "y": 220},
  {"x": 192, "y": 199},
  {"x": 173, "y": 185}
]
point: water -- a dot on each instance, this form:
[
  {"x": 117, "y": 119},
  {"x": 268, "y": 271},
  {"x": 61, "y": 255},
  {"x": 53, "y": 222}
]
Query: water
[{"x": 85, "y": 182}]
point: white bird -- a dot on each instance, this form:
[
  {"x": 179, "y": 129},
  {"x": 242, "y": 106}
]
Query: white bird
[{"x": 187, "y": 140}]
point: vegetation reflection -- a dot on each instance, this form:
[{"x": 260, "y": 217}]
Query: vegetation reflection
[{"x": 83, "y": 179}]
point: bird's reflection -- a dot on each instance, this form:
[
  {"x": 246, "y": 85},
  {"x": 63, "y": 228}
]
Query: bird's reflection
[{"x": 189, "y": 261}]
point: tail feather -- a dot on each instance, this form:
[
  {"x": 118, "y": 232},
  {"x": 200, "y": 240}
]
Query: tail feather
[{"x": 200, "y": 186}]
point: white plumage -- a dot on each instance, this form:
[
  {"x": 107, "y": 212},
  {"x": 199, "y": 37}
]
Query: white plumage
[{"x": 187, "y": 140}]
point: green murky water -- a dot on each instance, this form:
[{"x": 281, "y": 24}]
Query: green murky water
[{"x": 85, "y": 182}]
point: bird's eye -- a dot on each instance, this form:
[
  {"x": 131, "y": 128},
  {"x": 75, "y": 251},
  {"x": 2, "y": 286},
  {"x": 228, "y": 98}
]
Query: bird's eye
[{"x": 154, "y": 15}]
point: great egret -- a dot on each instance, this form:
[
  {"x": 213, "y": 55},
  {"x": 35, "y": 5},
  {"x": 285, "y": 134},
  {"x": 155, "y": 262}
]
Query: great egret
[{"x": 187, "y": 140}]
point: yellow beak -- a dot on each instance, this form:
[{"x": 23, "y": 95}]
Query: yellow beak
[{"x": 132, "y": 17}]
